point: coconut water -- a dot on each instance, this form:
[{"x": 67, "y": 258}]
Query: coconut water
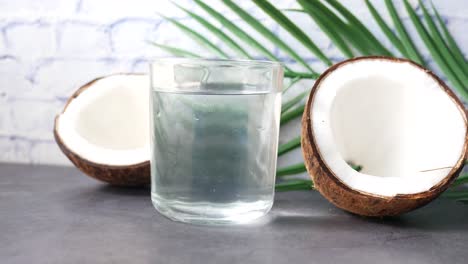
[{"x": 214, "y": 155}]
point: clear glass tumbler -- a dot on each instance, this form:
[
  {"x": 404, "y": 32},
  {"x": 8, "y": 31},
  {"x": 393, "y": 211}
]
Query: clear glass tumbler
[{"x": 214, "y": 138}]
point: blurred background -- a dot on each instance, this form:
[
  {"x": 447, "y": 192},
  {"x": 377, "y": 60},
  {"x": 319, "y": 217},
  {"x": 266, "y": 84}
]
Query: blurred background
[{"x": 49, "y": 48}]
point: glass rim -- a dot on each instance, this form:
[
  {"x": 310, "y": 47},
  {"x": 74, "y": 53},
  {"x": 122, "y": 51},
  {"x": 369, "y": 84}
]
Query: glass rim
[{"x": 217, "y": 62}]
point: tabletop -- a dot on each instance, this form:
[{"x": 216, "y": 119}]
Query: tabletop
[{"x": 57, "y": 215}]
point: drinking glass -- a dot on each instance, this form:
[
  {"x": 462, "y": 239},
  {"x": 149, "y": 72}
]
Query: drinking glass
[{"x": 214, "y": 138}]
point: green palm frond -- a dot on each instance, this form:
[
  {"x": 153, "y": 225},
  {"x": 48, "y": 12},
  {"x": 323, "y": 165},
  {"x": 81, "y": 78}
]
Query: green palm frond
[
  {"x": 294, "y": 185},
  {"x": 386, "y": 29},
  {"x": 292, "y": 114},
  {"x": 248, "y": 40},
  {"x": 217, "y": 32},
  {"x": 241, "y": 34},
  {"x": 462, "y": 179},
  {"x": 288, "y": 146},
  {"x": 410, "y": 48},
  {"x": 451, "y": 42},
  {"x": 361, "y": 30},
  {"x": 442, "y": 46},
  {"x": 260, "y": 28},
  {"x": 197, "y": 37},
  {"x": 293, "y": 101},
  {"x": 345, "y": 31},
  {"x": 302, "y": 75},
  {"x": 294, "y": 30},
  {"x": 331, "y": 30},
  {"x": 435, "y": 50},
  {"x": 298, "y": 10},
  {"x": 457, "y": 195},
  {"x": 291, "y": 170},
  {"x": 291, "y": 83}
]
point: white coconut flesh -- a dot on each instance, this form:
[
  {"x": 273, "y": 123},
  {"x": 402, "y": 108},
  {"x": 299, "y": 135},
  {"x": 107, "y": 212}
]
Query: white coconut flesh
[
  {"x": 108, "y": 123},
  {"x": 394, "y": 120}
]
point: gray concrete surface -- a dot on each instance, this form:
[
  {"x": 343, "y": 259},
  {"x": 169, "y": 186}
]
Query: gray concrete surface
[{"x": 57, "y": 215}]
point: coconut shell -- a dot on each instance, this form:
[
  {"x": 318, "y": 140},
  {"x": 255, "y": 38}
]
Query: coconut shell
[
  {"x": 355, "y": 201},
  {"x": 131, "y": 175}
]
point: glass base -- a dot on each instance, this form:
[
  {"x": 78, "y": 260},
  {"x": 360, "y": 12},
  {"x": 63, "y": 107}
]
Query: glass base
[{"x": 211, "y": 213}]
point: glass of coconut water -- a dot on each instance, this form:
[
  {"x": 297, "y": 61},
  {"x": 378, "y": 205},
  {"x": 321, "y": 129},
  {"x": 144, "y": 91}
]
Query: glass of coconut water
[{"x": 214, "y": 138}]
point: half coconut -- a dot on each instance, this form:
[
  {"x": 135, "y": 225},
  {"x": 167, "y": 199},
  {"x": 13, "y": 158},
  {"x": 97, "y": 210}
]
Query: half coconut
[
  {"x": 104, "y": 129},
  {"x": 395, "y": 119}
]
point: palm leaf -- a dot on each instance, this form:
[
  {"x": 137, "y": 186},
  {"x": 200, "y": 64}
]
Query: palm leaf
[
  {"x": 288, "y": 146},
  {"x": 266, "y": 33},
  {"x": 450, "y": 41},
  {"x": 291, "y": 114},
  {"x": 412, "y": 53},
  {"x": 344, "y": 29},
  {"x": 294, "y": 30},
  {"x": 456, "y": 195},
  {"x": 294, "y": 185},
  {"x": 358, "y": 38},
  {"x": 457, "y": 64},
  {"x": 443, "y": 48},
  {"x": 434, "y": 50},
  {"x": 332, "y": 31},
  {"x": 360, "y": 28},
  {"x": 462, "y": 179},
  {"x": 204, "y": 42},
  {"x": 241, "y": 34},
  {"x": 386, "y": 29},
  {"x": 294, "y": 10},
  {"x": 293, "y": 101},
  {"x": 291, "y": 83},
  {"x": 175, "y": 51},
  {"x": 290, "y": 170},
  {"x": 217, "y": 32},
  {"x": 301, "y": 75}
]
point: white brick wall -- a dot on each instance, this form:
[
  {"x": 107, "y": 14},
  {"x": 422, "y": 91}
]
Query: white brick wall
[
  {"x": 82, "y": 39},
  {"x": 30, "y": 41},
  {"x": 129, "y": 36},
  {"x": 48, "y": 48}
]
